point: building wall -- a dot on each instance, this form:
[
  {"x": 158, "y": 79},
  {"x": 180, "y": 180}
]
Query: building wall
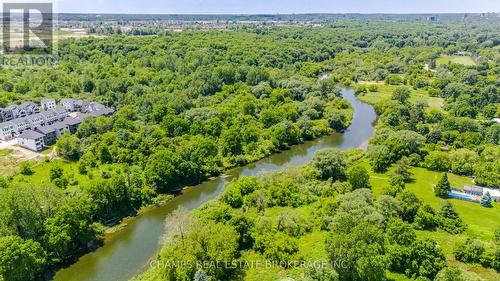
[{"x": 35, "y": 145}]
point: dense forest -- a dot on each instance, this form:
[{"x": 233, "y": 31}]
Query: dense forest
[{"x": 194, "y": 103}]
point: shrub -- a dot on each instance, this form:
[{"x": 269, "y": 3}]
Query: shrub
[{"x": 470, "y": 252}]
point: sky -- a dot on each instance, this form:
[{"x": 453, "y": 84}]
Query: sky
[{"x": 276, "y": 6}]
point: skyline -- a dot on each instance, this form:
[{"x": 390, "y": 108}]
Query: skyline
[{"x": 275, "y": 7}]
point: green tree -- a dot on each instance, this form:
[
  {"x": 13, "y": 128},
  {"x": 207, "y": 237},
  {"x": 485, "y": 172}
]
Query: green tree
[
  {"x": 331, "y": 163},
  {"x": 26, "y": 169},
  {"x": 426, "y": 218},
  {"x": 380, "y": 157},
  {"x": 68, "y": 147},
  {"x": 359, "y": 177},
  {"x": 401, "y": 94},
  {"x": 443, "y": 187},
  {"x": 449, "y": 220},
  {"x": 403, "y": 169},
  {"x": 438, "y": 161},
  {"x": 361, "y": 252},
  {"x": 161, "y": 170},
  {"x": 409, "y": 204},
  {"x": 486, "y": 200},
  {"x": 20, "y": 260},
  {"x": 426, "y": 259}
]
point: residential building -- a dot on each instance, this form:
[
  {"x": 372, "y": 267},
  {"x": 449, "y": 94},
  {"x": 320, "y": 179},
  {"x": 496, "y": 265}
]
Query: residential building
[
  {"x": 36, "y": 120},
  {"x": 23, "y": 110},
  {"x": 73, "y": 104},
  {"x": 15, "y": 111},
  {"x": 20, "y": 125},
  {"x": 5, "y": 115},
  {"x": 52, "y": 132},
  {"x": 72, "y": 123},
  {"x": 91, "y": 107},
  {"x": 31, "y": 140},
  {"x": 480, "y": 191},
  {"x": 6, "y": 131},
  {"x": 102, "y": 112},
  {"x": 61, "y": 112},
  {"x": 30, "y": 108},
  {"x": 50, "y": 116},
  {"x": 48, "y": 104},
  {"x": 69, "y": 104}
]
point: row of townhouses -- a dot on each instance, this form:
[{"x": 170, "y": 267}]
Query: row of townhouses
[
  {"x": 39, "y": 129},
  {"x": 29, "y": 108}
]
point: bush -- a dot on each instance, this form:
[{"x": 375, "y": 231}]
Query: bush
[
  {"x": 279, "y": 247},
  {"x": 469, "y": 252},
  {"x": 456, "y": 274}
]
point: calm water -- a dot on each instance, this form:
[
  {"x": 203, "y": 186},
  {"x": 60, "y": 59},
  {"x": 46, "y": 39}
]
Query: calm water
[{"x": 128, "y": 252}]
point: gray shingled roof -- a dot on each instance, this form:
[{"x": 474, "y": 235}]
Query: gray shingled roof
[
  {"x": 46, "y": 129},
  {"x": 29, "y": 134},
  {"x": 70, "y": 121}
]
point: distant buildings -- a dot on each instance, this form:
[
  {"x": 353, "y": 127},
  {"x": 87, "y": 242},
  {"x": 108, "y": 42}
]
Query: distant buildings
[{"x": 34, "y": 129}]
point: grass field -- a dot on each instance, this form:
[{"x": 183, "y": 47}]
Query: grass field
[
  {"x": 385, "y": 92},
  {"x": 466, "y": 60},
  {"x": 481, "y": 222}
]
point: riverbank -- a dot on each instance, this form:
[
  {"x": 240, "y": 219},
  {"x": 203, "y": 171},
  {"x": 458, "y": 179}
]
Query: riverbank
[{"x": 114, "y": 260}]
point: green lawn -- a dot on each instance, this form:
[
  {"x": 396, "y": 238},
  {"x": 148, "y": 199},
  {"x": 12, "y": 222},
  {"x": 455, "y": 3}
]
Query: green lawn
[
  {"x": 481, "y": 221},
  {"x": 385, "y": 92},
  {"x": 466, "y": 60},
  {"x": 41, "y": 175}
]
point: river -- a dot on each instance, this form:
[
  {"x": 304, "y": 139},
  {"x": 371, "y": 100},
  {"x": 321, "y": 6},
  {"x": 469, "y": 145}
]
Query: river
[{"x": 128, "y": 252}]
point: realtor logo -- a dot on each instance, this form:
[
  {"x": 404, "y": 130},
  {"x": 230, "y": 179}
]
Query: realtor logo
[
  {"x": 27, "y": 27},
  {"x": 28, "y": 33}
]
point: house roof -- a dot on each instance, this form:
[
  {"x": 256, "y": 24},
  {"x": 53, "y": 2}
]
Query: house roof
[
  {"x": 19, "y": 120},
  {"x": 29, "y": 134},
  {"x": 46, "y": 129},
  {"x": 49, "y": 113},
  {"x": 6, "y": 124},
  {"x": 70, "y": 121},
  {"x": 60, "y": 109},
  {"x": 101, "y": 112}
]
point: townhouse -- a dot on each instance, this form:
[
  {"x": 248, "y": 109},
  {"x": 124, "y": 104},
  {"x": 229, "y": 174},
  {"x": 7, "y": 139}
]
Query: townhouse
[
  {"x": 48, "y": 104},
  {"x": 35, "y": 130}
]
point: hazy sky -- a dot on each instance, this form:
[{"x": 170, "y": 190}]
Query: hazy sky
[{"x": 276, "y": 6}]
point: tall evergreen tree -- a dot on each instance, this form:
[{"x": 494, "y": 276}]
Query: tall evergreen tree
[{"x": 443, "y": 187}]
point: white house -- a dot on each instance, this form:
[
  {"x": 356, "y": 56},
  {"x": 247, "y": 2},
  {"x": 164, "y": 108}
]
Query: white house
[
  {"x": 6, "y": 131},
  {"x": 61, "y": 112},
  {"x": 36, "y": 120},
  {"x": 48, "y": 104},
  {"x": 31, "y": 140},
  {"x": 50, "y": 116},
  {"x": 20, "y": 125},
  {"x": 69, "y": 104}
]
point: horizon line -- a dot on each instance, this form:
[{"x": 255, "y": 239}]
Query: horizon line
[{"x": 275, "y": 14}]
